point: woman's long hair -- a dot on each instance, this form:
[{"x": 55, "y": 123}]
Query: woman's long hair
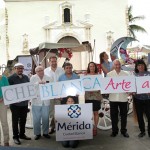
[
  {"x": 88, "y": 69},
  {"x": 140, "y": 62},
  {"x": 101, "y": 57}
]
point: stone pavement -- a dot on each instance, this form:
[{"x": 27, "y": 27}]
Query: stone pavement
[{"x": 100, "y": 142}]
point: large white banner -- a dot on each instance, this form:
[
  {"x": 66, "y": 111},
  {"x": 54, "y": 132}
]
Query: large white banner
[
  {"x": 74, "y": 122},
  {"x": 17, "y": 93},
  {"x": 61, "y": 89},
  {"x": 92, "y": 82},
  {"x": 121, "y": 84},
  {"x": 143, "y": 84}
]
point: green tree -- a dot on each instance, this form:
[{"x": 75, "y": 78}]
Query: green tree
[{"x": 133, "y": 28}]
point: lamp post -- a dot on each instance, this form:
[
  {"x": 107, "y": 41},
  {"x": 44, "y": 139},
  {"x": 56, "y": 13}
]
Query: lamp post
[
  {"x": 25, "y": 43},
  {"x": 110, "y": 40},
  {"x": 2, "y": 68}
]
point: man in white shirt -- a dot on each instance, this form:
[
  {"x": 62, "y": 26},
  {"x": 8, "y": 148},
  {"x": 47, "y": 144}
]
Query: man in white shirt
[
  {"x": 118, "y": 101},
  {"x": 54, "y": 72}
]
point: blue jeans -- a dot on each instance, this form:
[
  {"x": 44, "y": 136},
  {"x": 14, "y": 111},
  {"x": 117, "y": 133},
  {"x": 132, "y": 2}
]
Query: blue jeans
[{"x": 40, "y": 113}]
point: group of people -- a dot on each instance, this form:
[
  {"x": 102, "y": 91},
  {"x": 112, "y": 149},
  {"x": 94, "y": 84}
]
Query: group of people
[
  {"x": 118, "y": 101},
  {"x": 43, "y": 109}
]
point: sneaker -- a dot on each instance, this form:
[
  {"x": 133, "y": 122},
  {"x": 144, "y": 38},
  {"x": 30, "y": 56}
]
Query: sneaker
[
  {"x": 17, "y": 141},
  {"x": 37, "y": 137},
  {"x": 113, "y": 134},
  {"x": 25, "y": 137},
  {"x": 46, "y": 136},
  {"x": 141, "y": 134},
  {"x": 6, "y": 144},
  {"x": 125, "y": 134}
]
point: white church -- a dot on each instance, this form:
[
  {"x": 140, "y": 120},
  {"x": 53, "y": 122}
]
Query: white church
[{"x": 27, "y": 23}]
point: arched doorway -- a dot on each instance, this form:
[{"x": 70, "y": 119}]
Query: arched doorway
[
  {"x": 76, "y": 58},
  {"x": 68, "y": 39}
]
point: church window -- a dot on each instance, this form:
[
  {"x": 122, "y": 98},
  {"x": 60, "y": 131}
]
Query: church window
[{"x": 66, "y": 15}]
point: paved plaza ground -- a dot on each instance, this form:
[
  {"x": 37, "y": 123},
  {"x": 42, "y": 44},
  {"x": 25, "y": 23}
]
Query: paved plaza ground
[{"x": 100, "y": 142}]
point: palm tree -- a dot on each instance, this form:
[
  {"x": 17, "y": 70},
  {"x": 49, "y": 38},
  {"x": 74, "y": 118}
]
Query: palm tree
[{"x": 133, "y": 27}]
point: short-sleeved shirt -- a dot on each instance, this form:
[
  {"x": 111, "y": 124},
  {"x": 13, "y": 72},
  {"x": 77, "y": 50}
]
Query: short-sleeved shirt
[
  {"x": 63, "y": 77},
  {"x": 3, "y": 82},
  {"x": 108, "y": 66},
  {"x": 54, "y": 74}
]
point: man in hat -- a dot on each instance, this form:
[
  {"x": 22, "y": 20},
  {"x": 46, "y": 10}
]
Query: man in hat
[{"x": 19, "y": 110}]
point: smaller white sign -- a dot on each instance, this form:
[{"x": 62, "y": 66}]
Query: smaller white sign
[
  {"x": 18, "y": 92},
  {"x": 27, "y": 62},
  {"x": 74, "y": 122},
  {"x": 143, "y": 84},
  {"x": 121, "y": 84}
]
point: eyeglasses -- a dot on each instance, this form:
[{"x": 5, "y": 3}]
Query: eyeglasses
[
  {"x": 20, "y": 68},
  {"x": 68, "y": 67},
  {"x": 39, "y": 70}
]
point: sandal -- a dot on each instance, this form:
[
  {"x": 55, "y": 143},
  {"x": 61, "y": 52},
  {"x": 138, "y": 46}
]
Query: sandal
[
  {"x": 94, "y": 132},
  {"x": 6, "y": 144}
]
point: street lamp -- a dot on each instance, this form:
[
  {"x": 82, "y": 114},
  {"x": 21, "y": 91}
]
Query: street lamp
[
  {"x": 25, "y": 43},
  {"x": 109, "y": 36}
]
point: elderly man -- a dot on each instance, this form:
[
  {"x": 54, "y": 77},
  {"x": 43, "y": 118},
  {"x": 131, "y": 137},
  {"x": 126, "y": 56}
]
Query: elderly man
[
  {"x": 40, "y": 108},
  {"x": 118, "y": 101},
  {"x": 68, "y": 75},
  {"x": 19, "y": 110},
  {"x": 54, "y": 72}
]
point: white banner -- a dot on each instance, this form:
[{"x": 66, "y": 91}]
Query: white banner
[
  {"x": 74, "y": 122},
  {"x": 121, "y": 84},
  {"x": 61, "y": 89},
  {"x": 17, "y": 93},
  {"x": 143, "y": 84},
  {"x": 92, "y": 82}
]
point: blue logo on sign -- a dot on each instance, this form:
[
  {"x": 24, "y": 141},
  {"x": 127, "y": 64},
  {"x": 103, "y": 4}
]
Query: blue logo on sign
[{"x": 74, "y": 111}]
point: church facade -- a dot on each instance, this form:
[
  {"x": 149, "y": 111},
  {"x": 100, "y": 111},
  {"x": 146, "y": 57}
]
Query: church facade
[{"x": 31, "y": 22}]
